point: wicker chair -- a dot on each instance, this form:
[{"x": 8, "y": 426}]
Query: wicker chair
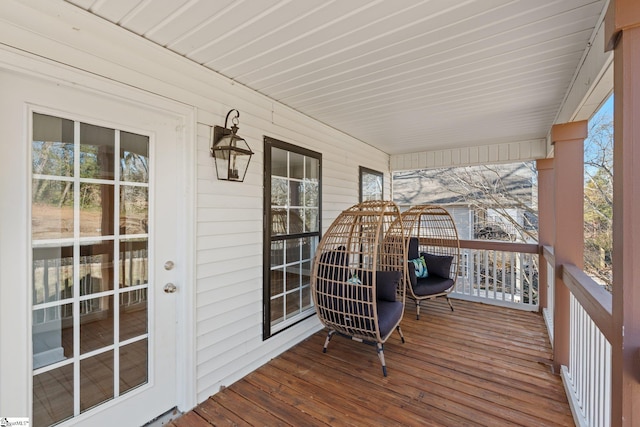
[
  {"x": 357, "y": 280},
  {"x": 433, "y": 253}
]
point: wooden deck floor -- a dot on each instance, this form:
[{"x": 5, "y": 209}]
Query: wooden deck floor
[{"x": 479, "y": 365}]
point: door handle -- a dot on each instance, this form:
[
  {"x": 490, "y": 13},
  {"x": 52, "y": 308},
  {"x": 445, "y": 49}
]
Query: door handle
[{"x": 170, "y": 288}]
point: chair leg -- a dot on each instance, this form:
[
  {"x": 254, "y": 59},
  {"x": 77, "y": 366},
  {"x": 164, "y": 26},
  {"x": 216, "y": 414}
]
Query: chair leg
[
  {"x": 417, "y": 309},
  {"x": 400, "y": 332},
  {"x": 381, "y": 356},
  {"x": 449, "y": 301},
  {"x": 326, "y": 341}
]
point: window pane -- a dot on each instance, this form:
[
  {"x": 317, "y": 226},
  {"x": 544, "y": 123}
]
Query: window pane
[
  {"x": 53, "y": 396},
  {"x": 312, "y": 169},
  {"x": 279, "y": 192},
  {"x": 306, "y": 297},
  {"x": 97, "y": 152},
  {"x": 96, "y": 209},
  {"x": 296, "y": 193},
  {"x": 293, "y": 277},
  {"x": 311, "y": 194},
  {"x": 296, "y": 165},
  {"x": 51, "y": 209},
  {"x": 277, "y": 310},
  {"x": 296, "y": 223},
  {"x": 371, "y": 183},
  {"x": 311, "y": 220},
  {"x": 305, "y": 273},
  {"x": 279, "y": 166},
  {"x": 52, "y": 147},
  {"x": 52, "y": 274},
  {"x": 293, "y": 250},
  {"x": 279, "y": 221},
  {"x": 293, "y": 303},
  {"x": 96, "y": 380},
  {"x": 134, "y": 157},
  {"x": 277, "y": 253},
  {"x": 277, "y": 281}
]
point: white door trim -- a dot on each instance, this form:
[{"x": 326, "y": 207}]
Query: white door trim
[{"x": 15, "y": 396}]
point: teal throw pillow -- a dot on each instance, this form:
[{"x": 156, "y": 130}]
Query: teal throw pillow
[
  {"x": 421, "y": 267},
  {"x": 354, "y": 279}
]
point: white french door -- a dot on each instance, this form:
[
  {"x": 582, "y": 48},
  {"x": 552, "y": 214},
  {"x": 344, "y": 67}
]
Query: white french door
[{"x": 101, "y": 176}]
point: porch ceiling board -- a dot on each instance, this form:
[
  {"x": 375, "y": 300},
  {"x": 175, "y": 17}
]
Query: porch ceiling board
[
  {"x": 404, "y": 76},
  {"x": 454, "y": 369}
]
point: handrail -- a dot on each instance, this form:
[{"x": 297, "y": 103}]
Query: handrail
[
  {"x": 595, "y": 300},
  {"x": 493, "y": 245}
]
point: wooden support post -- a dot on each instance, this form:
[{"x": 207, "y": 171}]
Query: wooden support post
[
  {"x": 546, "y": 221},
  {"x": 623, "y": 35},
  {"x": 569, "y": 225}
]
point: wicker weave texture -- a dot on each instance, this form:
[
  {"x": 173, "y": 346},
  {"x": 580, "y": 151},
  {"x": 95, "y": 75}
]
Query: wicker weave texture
[
  {"x": 364, "y": 239},
  {"x": 437, "y": 234}
]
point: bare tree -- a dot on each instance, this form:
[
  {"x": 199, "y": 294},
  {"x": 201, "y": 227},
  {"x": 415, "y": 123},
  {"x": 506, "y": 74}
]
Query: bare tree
[
  {"x": 598, "y": 200},
  {"x": 500, "y": 189}
]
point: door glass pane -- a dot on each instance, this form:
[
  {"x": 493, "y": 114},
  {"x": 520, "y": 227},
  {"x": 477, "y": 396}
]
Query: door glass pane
[
  {"x": 52, "y": 333},
  {"x": 134, "y": 209},
  {"x": 76, "y": 265},
  {"x": 134, "y": 263},
  {"x": 53, "y": 396},
  {"x": 52, "y": 274},
  {"x": 96, "y": 380},
  {"x": 134, "y": 360},
  {"x": 96, "y": 268},
  {"x": 133, "y": 314},
  {"x": 97, "y": 152},
  {"x": 96, "y": 323},
  {"x": 96, "y": 209},
  {"x": 52, "y": 146},
  {"x": 134, "y": 157},
  {"x": 52, "y": 209}
]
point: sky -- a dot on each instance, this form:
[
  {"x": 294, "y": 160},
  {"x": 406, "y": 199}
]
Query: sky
[{"x": 605, "y": 111}]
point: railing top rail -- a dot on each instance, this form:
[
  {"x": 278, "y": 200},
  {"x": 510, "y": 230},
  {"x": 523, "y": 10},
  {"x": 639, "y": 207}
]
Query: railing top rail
[
  {"x": 595, "y": 300},
  {"x": 528, "y": 248}
]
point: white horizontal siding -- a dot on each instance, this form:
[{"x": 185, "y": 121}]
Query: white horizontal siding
[
  {"x": 228, "y": 216},
  {"x": 495, "y": 153}
]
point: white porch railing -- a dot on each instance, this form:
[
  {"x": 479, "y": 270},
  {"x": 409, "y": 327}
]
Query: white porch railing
[
  {"x": 498, "y": 273},
  {"x": 587, "y": 379}
]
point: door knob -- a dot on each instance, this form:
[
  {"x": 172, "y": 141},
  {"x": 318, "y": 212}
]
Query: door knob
[{"x": 170, "y": 288}]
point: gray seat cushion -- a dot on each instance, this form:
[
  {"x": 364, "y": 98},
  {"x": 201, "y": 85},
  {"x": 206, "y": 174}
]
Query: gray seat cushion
[{"x": 431, "y": 285}]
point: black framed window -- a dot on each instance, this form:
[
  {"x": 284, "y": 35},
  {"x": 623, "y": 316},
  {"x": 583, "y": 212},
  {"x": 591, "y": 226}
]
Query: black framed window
[
  {"x": 292, "y": 203},
  {"x": 371, "y": 184}
]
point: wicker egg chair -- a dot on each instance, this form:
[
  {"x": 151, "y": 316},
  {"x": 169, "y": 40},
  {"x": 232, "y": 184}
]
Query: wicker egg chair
[
  {"x": 357, "y": 281},
  {"x": 433, "y": 253}
]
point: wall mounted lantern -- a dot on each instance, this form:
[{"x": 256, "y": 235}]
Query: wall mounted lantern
[{"x": 230, "y": 152}]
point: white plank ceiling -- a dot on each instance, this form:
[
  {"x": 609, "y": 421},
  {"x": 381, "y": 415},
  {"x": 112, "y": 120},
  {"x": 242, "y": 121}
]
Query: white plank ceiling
[{"x": 402, "y": 75}]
